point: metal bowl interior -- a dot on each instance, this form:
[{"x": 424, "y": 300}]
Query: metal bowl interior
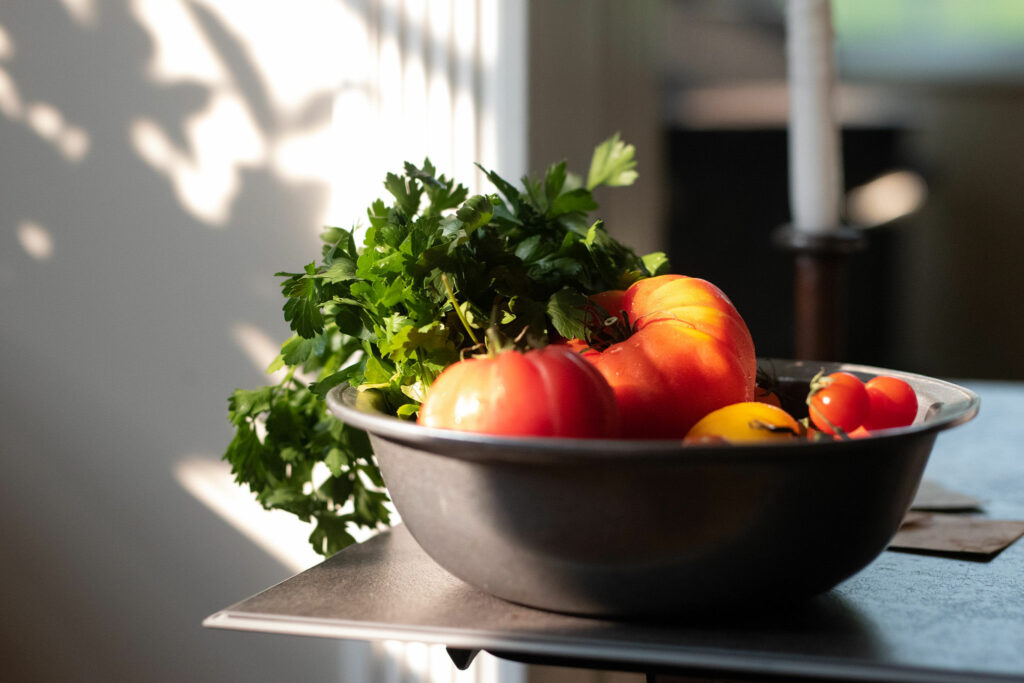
[{"x": 652, "y": 528}]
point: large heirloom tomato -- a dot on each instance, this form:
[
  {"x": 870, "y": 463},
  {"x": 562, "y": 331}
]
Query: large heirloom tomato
[
  {"x": 686, "y": 352},
  {"x": 549, "y": 392}
]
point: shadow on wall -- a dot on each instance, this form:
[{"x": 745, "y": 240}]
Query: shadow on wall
[{"x": 146, "y": 202}]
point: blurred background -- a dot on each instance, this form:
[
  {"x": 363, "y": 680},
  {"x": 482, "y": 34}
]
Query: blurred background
[{"x": 161, "y": 159}]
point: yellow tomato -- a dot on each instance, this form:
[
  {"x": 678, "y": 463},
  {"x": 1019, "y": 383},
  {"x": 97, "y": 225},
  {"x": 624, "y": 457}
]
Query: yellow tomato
[{"x": 745, "y": 422}]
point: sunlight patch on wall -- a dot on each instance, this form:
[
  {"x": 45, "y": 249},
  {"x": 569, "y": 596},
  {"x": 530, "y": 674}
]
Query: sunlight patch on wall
[
  {"x": 6, "y": 44},
  {"x": 180, "y": 50},
  {"x": 222, "y": 137},
  {"x": 35, "y": 240},
  {"x": 10, "y": 100},
  {"x": 299, "y": 155},
  {"x": 43, "y": 119},
  {"x": 73, "y": 143},
  {"x": 355, "y": 171},
  {"x": 464, "y": 114},
  {"x": 280, "y": 534},
  {"x": 294, "y": 57},
  {"x": 206, "y": 179},
  {"x": 262, "y": 350},
  {"x": 258, "y": 347},
  {"x": 338, "y": 93},
  {"x": 434, "y": 78},
  {"x": 82, "y": 11},
  {"x": 414, "y": 84},
  {"x": 48, "y": 123},
  {"x": 439, "y": 87},
  {"x": 294, "y": 53}
]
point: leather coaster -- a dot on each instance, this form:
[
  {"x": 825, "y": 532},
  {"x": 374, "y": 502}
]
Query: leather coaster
[
  {"x": 936, "y": 497},
  {"x": 963, "y": 536}
]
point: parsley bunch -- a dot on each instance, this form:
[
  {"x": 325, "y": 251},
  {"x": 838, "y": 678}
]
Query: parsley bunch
[{"x": 436, "y": 269}]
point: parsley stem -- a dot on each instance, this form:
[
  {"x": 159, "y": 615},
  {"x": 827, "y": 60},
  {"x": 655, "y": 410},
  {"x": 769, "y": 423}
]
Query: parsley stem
[
  {"x": 275, "y": 390},
  {"x": 458, "y": 311}
]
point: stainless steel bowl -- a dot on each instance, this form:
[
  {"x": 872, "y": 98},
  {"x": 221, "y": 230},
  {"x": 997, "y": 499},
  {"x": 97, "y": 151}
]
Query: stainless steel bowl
[{"x": 650, "y": 528}]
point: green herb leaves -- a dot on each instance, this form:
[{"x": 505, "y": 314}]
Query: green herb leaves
[
  {"x": 434, "y": 272},
  {"x": 612, "y": 164},
  {"x": 302, "y": 304}
]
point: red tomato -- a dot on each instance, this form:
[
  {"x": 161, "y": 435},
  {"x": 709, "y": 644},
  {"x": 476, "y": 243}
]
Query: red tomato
[
  {"x": 893, "y": 403},
  {"x": 687, "y": 353},
  {"x": 550, "y": 392},
  {"x": 838, "y": 402}
]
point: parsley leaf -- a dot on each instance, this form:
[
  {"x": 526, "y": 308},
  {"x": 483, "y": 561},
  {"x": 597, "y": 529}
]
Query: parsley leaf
[
  {"x": 612, "y": 164},
  {"x": 565, "y": 307}
]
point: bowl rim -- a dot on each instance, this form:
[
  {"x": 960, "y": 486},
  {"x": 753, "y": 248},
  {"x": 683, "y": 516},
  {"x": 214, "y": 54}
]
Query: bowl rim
[{"x": 471, "y": 445}]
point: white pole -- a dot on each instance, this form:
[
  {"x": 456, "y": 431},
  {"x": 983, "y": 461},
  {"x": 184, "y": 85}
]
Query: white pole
[{"x": 815, "y": 167}]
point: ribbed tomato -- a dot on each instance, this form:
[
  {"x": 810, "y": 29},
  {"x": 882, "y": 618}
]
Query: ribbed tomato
[
  {"x": 686, "y": 352},
  {"x": 547, "y": 392}
]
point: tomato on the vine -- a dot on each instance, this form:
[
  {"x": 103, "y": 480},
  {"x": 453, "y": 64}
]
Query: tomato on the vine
[
  {"x": 838, "y": 402},
  {"x": 547, "y": 392},
  {"x": 893, "y": 403}
]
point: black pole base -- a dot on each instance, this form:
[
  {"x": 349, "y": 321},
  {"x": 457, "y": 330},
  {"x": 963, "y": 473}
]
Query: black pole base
[{"x": 821, "y": 263}]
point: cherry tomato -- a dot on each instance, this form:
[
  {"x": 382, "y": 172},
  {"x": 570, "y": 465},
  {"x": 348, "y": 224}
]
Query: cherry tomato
[
  {"x": 549, "y": 392},
  {"x": 893, "y": 403},
  {"x": 838, "y": 402},
  {"x": 685, "y": 353},
  {"x": 748, "y": 421}
]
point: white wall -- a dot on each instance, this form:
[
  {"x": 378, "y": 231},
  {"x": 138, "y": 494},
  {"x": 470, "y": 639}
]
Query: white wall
[
  {"x": 151, "y": 182},
  {"x": 159, "y": 161},
  {"x": 594, "y": 69}
]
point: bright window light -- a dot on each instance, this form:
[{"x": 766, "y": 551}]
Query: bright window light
[{"x": 886, "y": 198}]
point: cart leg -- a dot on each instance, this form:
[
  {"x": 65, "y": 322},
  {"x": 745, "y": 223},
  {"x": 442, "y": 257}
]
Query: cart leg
[{"x": 462, "y": 658}]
